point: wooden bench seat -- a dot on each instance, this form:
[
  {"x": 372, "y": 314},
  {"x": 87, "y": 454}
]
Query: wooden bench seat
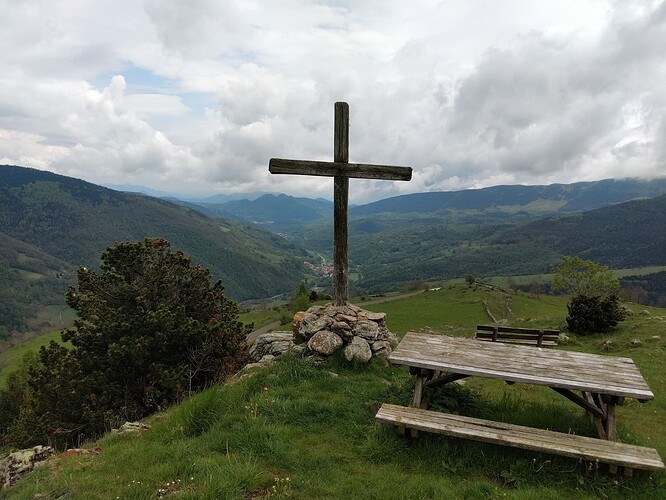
[
  {"x": 514, "y": 335},
  {"x": 570, "y": 445}
]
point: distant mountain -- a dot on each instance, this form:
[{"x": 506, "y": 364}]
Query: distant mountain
[
  {"x": 50, "y": 224},
  {"x": 534, "y": 200},
  {"x": 274, "y": 211},
  {"x": 57, "y": 223},
  {"x": 223, "y": 198},
  {"x": 216, "y": 198},
  {"x": 133, "y": 188}
]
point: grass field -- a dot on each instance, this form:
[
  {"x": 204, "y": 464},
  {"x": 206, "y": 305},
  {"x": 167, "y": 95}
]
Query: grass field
[
  {"x": 503, "y": 281},
  {"x": 299, "y": 431},
  {"x": 10, "y": 359}
]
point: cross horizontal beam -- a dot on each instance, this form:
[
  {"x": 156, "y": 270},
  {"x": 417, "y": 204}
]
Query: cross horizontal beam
[{"x": 332, "y": 169}]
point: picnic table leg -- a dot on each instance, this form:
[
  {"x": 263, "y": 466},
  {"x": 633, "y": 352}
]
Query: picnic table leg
[
  {"x": 611, "y": 426},
  {"x": 418, "y": 401},
  {"x": 422, "y": 375},
  {"x": 599, "y": 424},
  {"x": 418, "y": 391}
]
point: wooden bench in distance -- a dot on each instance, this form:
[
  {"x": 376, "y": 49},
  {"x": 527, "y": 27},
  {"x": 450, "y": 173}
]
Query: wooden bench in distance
[
  {"x": 528, "y": 438},
  {"x": 514, "y": 335}
]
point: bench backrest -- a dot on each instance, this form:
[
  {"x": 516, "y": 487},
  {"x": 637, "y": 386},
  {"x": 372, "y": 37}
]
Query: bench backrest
[{"x": 514, "y": 335}]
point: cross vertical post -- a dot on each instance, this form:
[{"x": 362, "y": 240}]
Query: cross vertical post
[{"x": 340, "y": 204}]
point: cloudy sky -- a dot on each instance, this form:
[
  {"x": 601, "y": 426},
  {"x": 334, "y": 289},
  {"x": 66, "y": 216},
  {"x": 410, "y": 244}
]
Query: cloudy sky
[{"x": 195, "y": 96}]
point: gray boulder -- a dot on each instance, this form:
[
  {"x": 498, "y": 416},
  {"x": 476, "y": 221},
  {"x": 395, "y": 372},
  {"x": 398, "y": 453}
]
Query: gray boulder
[
  {"x": 272, "y": 343},
  {"x": 366, "y": 329},
  {"x": 325, "y": 342},
  {"x": 359, "y": 349}
]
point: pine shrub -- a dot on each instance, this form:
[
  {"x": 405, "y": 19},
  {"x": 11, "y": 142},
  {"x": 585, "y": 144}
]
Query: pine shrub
[{"x": 593, "y": 314}]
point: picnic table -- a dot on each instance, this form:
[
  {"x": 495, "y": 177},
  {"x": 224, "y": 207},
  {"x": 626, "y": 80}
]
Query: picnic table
[{"x": 596, "y": 383}]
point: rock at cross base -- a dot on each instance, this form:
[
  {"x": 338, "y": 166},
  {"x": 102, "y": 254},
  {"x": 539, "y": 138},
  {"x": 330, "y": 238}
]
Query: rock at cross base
[
  {"x": 358, "y": 349},
  {"x": 311, "y": 324},
  {"x": 366, "y": 329},
  {"x": 325, "y": 342},
  {"x": 296, "y": 321}
]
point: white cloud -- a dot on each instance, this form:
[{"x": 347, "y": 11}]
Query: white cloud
[{"x": 468, "y": 93}]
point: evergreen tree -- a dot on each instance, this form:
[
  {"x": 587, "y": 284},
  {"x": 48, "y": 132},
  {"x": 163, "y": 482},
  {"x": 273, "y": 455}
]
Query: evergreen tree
[
  {"x": 594, "y": 307},
  {"x": 301, "y": 301},
  {"x": 150, "y": 328}
]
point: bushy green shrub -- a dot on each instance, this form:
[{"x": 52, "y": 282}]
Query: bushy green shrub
[
  {"x": 300, "y": 301},
  {"x": 593, "y": 314},
  {"x": 151, "y": 329}
]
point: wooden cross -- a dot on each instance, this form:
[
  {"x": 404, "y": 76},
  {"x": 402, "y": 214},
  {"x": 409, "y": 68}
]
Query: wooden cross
[{"x": 341, "y": 170}]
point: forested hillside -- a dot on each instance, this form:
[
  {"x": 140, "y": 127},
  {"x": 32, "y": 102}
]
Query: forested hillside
[
  {"x": 391, "y": 250},
  {"x": 276, "y": 212},
  {"x": 55, "y": 223},
  {"x": 28, "y": 279},
  {"x": 631, "y": 234}
]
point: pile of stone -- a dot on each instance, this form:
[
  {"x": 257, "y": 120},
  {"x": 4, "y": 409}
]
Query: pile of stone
[{"x": 321, "y": 331}]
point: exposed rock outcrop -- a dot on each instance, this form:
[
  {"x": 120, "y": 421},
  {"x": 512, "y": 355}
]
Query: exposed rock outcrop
[{"x": 14, "y": 465}]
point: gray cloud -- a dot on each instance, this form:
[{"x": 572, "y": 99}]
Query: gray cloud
[{"x": 470, "y": 94}]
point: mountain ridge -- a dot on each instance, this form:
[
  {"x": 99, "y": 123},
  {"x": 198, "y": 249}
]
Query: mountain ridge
[
  {"x": 74, "y": 221},
  {"x": 565, "y": 198}
]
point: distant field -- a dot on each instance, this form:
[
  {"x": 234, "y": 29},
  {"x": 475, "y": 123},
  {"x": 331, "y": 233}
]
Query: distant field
[
  {"x": 50, "y": 317},
  {"x": 459, "y": 309},
  {"x": 10, "y": 359},
  {"x": 29, "y": 275},
  {"x": 503, "y": 281},
  {"x": 639, "y": 271}
]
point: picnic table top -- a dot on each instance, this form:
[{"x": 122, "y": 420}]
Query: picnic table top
[{"x": 517, "y": 363}]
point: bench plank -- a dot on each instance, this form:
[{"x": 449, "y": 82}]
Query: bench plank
[
  {"x": 529, "y": 438},
  {"x": 516, "y": 335}
]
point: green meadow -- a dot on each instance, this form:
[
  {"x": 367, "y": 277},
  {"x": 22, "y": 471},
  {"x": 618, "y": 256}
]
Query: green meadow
[{"x": 294, "y": 430}]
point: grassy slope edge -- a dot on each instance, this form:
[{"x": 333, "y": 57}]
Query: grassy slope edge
[{"x": 298, "y": 431}]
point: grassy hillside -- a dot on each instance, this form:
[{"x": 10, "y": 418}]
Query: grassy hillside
[
  {"x": 10, "y": 359},
  {"x": 64, "y": 223},
  {"x": 631, "y": 234},
  {"x": 390, "y": 250},
  {"x": 298, "y": 431}
]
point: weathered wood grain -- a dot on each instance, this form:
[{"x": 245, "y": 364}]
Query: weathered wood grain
[
  {"x": 515, "y": 363},
  {"x": 340, "y": 203},
  {"x": 517, "y": 335},
  {"x": 332, "y": 169},
  {"x": 570, "y": 445}
]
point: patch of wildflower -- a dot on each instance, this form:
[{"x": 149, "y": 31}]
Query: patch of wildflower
[
  {"x": 171, "y": 487},
  {"x": 281, "y": 488},
  {"x": 253, "y": 408}
]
